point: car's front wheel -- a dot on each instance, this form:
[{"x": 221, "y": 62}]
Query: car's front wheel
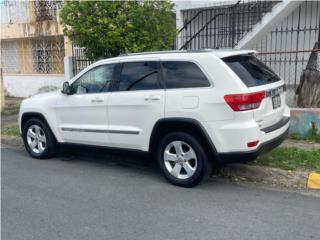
[
  {"x": 182, "y": 159},
  {"x": 38, "y": 139}
]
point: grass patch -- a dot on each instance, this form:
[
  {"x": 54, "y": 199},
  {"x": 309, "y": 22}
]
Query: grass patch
[
  {"x": 291, "y": 159},
  {"x": 12, "y": 106},
  {"x": 313, "y": 135},
  {"x": 10, "y": 131}
]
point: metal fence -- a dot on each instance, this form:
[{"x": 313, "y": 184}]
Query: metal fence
[
  {"x": 46, "y": 9},
  {"x": 79, "y": 60},
  {"x": 289, "y": 65},
  {"x": 286, "y": 49},
  {"x": 222, "y": 26}
]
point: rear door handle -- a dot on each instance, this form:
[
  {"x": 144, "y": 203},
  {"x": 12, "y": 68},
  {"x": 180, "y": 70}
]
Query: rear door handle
[
  {"x": 152, "y": 98},
  {"x": 97, "y": 100}
]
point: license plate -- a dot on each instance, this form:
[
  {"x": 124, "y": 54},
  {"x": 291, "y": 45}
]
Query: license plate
[{"x": 276, "y": 101}]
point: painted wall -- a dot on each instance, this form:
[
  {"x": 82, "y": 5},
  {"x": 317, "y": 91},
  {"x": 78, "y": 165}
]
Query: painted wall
[
  {"x": 28, "y": 85},
  {"x": 32, "y": 29},
  {"x": 14, "y": 11},
  {"x": 302, "y": 120}
]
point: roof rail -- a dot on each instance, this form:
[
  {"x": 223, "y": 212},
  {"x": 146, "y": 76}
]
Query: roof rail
[{"x": 165, "y": 52}]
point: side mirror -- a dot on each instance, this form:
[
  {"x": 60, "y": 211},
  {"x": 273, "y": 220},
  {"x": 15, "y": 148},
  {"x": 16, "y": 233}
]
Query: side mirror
[{"x": 66, "y": 89}]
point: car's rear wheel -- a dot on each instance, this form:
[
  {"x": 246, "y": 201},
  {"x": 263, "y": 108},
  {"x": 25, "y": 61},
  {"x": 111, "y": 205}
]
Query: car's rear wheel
[
  {"x": 38, "y": 139},
  {"x": 182, "y": 159}
]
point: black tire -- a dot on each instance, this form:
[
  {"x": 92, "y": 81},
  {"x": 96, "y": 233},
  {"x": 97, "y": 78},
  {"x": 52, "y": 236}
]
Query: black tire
[
  {"x": 203, "y": 166},
  {"x": 50, "y": 143}
]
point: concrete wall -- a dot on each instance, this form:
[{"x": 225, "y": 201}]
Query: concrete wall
[
  {"x": 302, "y": 120},
  {"x": 14, "y": 11},
  {"x": 28, "y": 85},
  {"x": 19, "y": 20}
]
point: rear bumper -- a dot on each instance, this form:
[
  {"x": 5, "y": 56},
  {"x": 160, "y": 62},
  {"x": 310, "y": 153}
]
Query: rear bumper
[{"x": 234, "y": 157}]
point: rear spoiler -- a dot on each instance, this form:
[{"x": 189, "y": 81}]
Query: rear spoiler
[{"x": 237, "y": 53}]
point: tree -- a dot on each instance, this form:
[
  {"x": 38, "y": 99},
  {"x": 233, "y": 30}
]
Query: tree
[
  {"x": 309, "y": 87},
  {"x": 108, "y": 28}
]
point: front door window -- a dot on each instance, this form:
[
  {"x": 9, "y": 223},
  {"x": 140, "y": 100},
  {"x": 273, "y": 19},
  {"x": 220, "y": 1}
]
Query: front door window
[{"x": 95, "y": 80}]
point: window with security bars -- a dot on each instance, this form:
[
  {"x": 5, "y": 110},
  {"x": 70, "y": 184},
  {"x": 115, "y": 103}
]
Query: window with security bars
[
  {"x": 27, "y": 56},
  {"x": 48, "y": 56},
  {"x": 46, "y": 9}
]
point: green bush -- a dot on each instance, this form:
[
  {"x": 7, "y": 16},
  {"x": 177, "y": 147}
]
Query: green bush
[{"x": 109, "y": 28}]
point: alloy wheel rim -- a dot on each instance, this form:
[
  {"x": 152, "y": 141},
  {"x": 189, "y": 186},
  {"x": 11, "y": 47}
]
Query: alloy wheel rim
[
  {"x": 180, "y": 159},
  {"x": 36, "y": 139}
]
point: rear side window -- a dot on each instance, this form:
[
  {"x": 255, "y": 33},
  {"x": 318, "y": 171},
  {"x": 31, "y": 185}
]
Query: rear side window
[
  {"x": 139, "y": 76},
  {"x": 180, "y": 74},
  {"x": 251, "y": 71}
]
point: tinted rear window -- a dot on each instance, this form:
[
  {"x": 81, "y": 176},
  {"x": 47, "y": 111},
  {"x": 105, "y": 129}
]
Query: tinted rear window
[
  {"x": 251, "y": 71},
  {"x": 180, "y": 74}
]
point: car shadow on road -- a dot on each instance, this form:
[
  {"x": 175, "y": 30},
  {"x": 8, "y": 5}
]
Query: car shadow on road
[
  {"x": 135, "y": 161},
  {"x": 104, "y": 156}
]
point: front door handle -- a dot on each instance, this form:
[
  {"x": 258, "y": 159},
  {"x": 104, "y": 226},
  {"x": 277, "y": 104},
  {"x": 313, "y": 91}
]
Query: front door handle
[
  {"x": 97, "y": 100},
  {"x": 152, "y": 98}
]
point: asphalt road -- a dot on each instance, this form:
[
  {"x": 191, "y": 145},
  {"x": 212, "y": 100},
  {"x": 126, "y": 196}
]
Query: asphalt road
[{"x": 107, "y": 198}]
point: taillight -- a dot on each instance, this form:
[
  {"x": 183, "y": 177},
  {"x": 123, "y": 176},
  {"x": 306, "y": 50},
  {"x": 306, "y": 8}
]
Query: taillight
[{"x": 246, "y": 101}]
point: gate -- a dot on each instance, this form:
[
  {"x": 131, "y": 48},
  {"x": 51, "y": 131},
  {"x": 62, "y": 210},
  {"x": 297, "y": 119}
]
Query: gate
[{"x": 79, "y": 60}]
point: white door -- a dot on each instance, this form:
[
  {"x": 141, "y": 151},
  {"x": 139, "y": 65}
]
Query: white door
[
  {"x": 136, "y": 105},
  {"x": 82, "y": 115}
]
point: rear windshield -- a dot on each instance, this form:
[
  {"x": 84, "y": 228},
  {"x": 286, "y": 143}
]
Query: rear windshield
[{"x": 251, "y": 71}]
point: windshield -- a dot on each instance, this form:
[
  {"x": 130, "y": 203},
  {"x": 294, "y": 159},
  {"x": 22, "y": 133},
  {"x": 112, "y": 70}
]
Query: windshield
[{"x": 251, "y": 71}]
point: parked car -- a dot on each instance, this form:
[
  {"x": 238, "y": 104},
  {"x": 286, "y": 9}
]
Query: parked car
[{"x": 187, "y": 108}]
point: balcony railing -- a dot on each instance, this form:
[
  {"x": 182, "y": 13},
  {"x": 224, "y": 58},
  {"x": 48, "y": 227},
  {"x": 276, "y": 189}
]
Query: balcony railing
[{"x": 46, "y": 9}]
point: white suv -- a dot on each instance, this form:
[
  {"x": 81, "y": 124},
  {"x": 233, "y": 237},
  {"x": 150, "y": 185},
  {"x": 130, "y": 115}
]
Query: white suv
[{"x": 187, "y": 108}]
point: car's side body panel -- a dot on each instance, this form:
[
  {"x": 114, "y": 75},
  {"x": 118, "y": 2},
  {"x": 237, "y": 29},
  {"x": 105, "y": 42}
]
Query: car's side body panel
[
  {"x": 83, "y": 118},
  {"x": 43, "y": 104},
  {"x": 132, "y": 116}
]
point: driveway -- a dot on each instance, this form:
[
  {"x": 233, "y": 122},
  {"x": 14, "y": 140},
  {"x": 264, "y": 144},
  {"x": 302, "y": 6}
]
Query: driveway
[{"x": 114, "y": 197}]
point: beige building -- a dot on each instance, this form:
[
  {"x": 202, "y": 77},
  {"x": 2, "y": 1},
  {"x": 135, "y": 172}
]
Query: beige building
[{"x": 32, "y": 46}]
